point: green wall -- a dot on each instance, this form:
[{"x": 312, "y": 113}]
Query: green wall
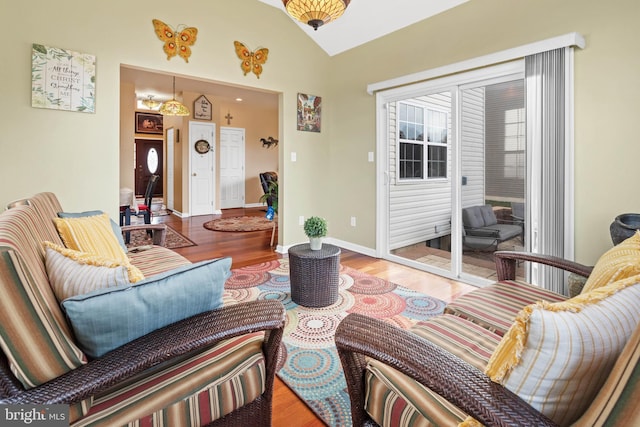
[{"x": 77, "y": 155}]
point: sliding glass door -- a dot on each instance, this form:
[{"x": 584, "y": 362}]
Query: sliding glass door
[{"x": 452, "y": 145}]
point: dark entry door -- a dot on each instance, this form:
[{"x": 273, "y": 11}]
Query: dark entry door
[{"x": 149, "y": 158}]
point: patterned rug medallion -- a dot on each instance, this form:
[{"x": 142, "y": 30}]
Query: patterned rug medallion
[
  {"x": 239, "y": 223},
  {"x": 173, "y": 239},
  {"x": 312, "y": 368}
]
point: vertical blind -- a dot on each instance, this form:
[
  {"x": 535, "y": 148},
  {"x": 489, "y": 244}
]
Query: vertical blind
[{"x": 546, "y": 107}]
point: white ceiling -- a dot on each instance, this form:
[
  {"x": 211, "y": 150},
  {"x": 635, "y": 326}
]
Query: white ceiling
[
  {"x": 366, "y": 20},
  {"x": 363, "y": 21}
]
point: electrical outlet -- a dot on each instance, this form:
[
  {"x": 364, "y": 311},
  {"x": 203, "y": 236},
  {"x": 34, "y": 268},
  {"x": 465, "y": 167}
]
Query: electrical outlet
[
  {"x": 353, "y": 221},
  {"x": 301, "y": 220}
]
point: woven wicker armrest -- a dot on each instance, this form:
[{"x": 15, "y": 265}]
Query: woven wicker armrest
[
  {"x": 159, "y": 231},
  {"x": 506, "y": 263},
  {"x": 358, "y": 337},
  {"x": 173, "y": 341}
]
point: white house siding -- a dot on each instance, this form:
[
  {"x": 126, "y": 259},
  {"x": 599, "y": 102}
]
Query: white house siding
[
  {"x": 473, "y": 146},
  {"x": 418, "y": 211}
]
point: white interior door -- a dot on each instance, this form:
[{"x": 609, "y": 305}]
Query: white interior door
[
  {"x": 232, "y": 164},
  {"x": 202, "y": 145},
  {"x": 170, "y": 167}
]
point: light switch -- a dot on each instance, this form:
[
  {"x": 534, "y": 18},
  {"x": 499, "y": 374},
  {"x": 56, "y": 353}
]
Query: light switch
[
  {"x": 371, "y": 156},
  {"x": 294, "y": 157}
]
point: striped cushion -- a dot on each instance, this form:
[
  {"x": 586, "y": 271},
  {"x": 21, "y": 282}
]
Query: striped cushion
[
  {"x": 156, "y": 260},
  {"x": 393, "y": 399},
  {"x": 92, "y": 234},
  {"x": 33, "y": 338},
  {"x": 619, "y": 262},
  {"x": 47, "y": 206},
  {"x": 460, "y": 337},
  {"x": 557, "y": 356},
  {"x": 496, "y": 306},
  {"x": 74, "y": 273},
  {"x": 200, "y": 389}
]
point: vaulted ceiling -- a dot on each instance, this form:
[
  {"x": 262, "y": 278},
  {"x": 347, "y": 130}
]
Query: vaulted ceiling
[{"x": 366, "y": 20}]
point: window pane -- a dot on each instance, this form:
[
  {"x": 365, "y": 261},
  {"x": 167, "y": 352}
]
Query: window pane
[
  {"x": 437, "y": 164},
  {"x": 152, "y": 160},
  {"x": 411, "y": 132},
  {"x": 403, "y": 112},
  {"x": 403, "y": 130}
]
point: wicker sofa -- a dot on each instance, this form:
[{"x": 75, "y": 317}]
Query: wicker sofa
[
  {"x": 212, "y": 368},
  {"x": 451, "y": 370}
]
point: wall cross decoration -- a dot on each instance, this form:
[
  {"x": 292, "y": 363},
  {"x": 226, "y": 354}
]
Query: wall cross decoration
[{"x": 228, "y": 117}]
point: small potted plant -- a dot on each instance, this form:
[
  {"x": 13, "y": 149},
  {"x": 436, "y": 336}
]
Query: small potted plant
[{"x": 315, "y": 228}]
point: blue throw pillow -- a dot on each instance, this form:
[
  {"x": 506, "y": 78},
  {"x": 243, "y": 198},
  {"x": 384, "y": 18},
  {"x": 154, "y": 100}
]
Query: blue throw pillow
[
  {"x": 116, "y": 228},
  {"x": 108, "y": 318}
]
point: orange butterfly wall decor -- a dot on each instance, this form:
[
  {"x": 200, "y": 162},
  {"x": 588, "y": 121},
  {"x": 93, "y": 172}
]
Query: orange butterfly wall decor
[
  {"x": 176, "y": 42},
  {"x": 251, "y": 61}
]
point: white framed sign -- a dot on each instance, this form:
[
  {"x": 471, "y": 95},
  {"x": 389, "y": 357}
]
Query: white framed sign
[
  {"x": 202, "y": 108},
  {"x": 62, "y": 79}
]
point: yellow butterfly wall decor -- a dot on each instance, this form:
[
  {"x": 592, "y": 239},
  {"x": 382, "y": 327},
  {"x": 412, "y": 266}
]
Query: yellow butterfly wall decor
[
  {"x": 176, "y": 42},
  {"x": 251, "y": 61}
]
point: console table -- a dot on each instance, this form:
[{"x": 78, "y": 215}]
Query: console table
[{"x": 314, "y": 275}]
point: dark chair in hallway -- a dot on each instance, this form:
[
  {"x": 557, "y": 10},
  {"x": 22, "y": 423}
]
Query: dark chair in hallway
[{"x": 265, "y": 179}]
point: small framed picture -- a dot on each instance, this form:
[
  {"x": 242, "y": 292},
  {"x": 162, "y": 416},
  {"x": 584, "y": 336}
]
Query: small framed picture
[
  {"x": 149, "y": 123},
  {"x": 309, "y": 112}
]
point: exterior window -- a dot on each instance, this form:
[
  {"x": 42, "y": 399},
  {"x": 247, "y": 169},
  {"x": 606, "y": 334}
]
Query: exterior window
[
  {"x": 514, "y": 143},
  {"x": 417, "y": 157}
]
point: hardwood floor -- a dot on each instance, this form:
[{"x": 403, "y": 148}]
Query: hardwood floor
[{"x": 253, "y": 247}]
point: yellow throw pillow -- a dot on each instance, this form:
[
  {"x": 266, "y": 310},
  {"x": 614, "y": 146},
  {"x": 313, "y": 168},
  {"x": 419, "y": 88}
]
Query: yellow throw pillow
[
  {"x": 75, "y": 273},
  {"x": 91, "y": 234},
  {"x": 619, "y": 262},
  {"x": 557, "y": 356}
]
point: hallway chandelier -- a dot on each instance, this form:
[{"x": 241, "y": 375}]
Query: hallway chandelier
[
  {"x": 173, "y": 107},
  {"x": 316, "y": 12},
  {"x": 150, "y": 103}
]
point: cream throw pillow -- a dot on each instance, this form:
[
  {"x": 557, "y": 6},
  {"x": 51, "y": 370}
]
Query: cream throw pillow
[
  {"x": 556, "y": 356},
  {"x": 619, "y": 262},
  {"x": 75, "y": 273}
]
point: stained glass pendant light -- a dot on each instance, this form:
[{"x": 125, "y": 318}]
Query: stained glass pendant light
[
  {"x": 316, "y": 12},
  {"x": 173, "y": 107}
]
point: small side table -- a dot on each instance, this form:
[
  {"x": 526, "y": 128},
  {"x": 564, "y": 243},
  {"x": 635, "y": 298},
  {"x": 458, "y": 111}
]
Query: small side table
[{"x": 314, "y": 275}]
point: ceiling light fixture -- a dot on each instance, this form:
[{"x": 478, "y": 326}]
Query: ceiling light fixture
[
  {"x": 173, "y": 107},
  {"x": 316, "y": 12},
  {"x": 150, "y": 103}
]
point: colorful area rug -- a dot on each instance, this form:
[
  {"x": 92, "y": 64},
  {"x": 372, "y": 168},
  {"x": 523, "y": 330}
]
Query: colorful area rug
[
  {"x": 174, "y": 239},
  {"x": 239, "y": 223},
  {"x": 312, "y": 368}
]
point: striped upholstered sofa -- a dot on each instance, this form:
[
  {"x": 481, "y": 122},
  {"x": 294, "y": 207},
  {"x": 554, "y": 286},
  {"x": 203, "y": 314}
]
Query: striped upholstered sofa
[
  {"x": 215, "y": 367},
  {"x": 509, "y": 354}
]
